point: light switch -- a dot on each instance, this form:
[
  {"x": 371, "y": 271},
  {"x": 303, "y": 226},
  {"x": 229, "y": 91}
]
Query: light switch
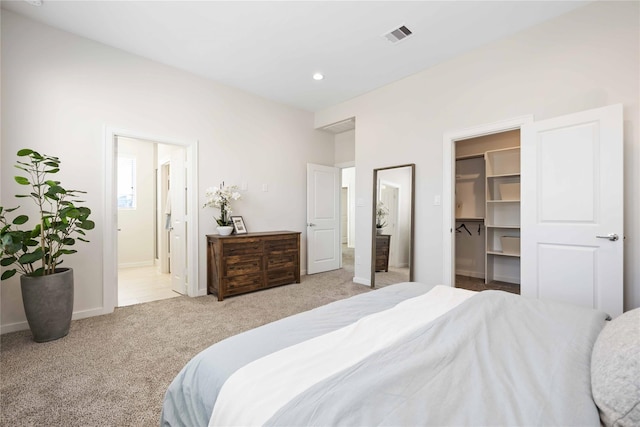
[{"x": 436, "y": 200}]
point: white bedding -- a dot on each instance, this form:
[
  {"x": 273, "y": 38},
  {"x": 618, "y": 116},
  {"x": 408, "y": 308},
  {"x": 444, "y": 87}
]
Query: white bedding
[{"x": 272, "y": 381}]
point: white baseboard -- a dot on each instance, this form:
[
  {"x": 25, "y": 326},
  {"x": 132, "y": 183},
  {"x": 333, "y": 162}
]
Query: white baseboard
[{"x": 22, "y": 326}]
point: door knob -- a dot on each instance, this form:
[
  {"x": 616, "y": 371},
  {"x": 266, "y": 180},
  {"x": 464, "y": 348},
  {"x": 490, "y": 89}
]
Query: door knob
[
  {"x": 310, "y": 224},
  {"x": 611, "y": 236}
]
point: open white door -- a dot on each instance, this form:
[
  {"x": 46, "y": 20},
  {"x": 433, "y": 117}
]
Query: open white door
[
  {"x": 177, "y": 238},
  {"x": 323, "y": 218},
  {"x": 572, "y": 209}
]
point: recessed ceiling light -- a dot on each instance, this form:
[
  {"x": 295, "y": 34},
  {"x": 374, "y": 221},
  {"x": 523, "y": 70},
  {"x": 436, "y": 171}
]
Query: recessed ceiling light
[{"x": 318, "y": 76}]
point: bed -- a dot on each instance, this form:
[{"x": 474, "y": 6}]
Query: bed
[{"x": 414, "y": 354}]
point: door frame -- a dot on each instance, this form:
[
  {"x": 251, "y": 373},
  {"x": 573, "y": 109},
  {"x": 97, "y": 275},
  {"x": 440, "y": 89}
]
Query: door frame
[
  {"x": 110, "y": 229},
  {"x": 448, "y": 188}
]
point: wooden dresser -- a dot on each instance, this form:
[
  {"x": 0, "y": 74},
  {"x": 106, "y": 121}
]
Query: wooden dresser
[
  {"x": 242, "y": 263},
  {"x": 382, "y": 252}
]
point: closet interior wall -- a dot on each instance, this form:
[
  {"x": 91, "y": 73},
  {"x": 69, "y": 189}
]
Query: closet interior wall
[{"x": 470, "y": 231}]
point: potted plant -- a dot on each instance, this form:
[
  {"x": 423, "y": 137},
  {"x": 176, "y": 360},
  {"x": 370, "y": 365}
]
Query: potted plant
[
  {"x": 36, "y": 251},
  {"x": 221, "y": 197},
  {"x": 381, "y": 212}
]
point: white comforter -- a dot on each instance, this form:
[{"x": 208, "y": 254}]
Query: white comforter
[{"x": 272, "y": 381}]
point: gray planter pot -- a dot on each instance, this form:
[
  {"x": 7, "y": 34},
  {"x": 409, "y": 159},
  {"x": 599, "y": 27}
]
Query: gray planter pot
[{"x": 48, "y": 304}]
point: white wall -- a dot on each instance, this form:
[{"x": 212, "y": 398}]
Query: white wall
[
  {"x": 585, "y": 59},
  {"x": 345, "y": 147},
  {"x": 59, "y": 91},
  {"x": 136, "y": 240},
  {"x": 349, "y": 181}
]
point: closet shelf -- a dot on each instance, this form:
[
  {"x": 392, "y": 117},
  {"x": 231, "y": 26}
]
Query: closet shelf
[
  {"x": 499, "y": 253},
  {"x": 470, "y": 219},
  {"x": 503, "y": 201},
  {"x": 515, "y": 227},
  {"x": 504, "y": 175}
]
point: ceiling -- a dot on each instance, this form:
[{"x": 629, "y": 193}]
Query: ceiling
[{"x": 272, "y": 48}]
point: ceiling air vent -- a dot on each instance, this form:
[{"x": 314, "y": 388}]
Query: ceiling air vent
[{"x": 398, "y": 34}]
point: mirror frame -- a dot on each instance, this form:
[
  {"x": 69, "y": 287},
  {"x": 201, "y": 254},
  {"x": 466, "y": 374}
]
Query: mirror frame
[{"x": 373, "y": 219}]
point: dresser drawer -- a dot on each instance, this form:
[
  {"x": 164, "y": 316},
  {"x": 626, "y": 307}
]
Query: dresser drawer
[
  {"x": 241, "y": 284},
  {"x": 281, "y": 245},
  {"x": 281, "y": 277},
  {"x": 239, "y": 265},
  {"x": 244, "y": 247},
  {"x": 282, "y": 260}
]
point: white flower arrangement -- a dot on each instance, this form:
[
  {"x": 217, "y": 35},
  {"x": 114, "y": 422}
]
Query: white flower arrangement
[{"x": 221, "y": 197}]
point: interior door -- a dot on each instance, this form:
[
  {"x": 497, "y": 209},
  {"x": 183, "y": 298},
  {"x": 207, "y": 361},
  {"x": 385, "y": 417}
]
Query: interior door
[
  {"x": 323, "y": 218},
  {"x": 177, "y": 237},
  {"x": 572, "y": 209}
]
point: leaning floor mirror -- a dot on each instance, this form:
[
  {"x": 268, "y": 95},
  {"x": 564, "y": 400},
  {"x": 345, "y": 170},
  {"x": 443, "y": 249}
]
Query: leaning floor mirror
[{"x": 392, "y": 225}]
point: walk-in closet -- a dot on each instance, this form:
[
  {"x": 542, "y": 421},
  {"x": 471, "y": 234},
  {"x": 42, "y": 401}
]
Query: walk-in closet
[{"x": 487, "y": 229}]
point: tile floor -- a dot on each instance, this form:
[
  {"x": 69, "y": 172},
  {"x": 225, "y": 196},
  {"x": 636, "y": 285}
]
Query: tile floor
[{"x": 143, "y": 284}]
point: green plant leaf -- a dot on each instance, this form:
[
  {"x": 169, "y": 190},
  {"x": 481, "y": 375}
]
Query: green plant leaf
[
  {"x": 83, "y": 240},
  {"x": 38, "y": 272},
  {"x": 11, "y": 209},
  {"x": 56, "y": 170},
  {"x": 7, "y": 274},
  {"x": 24, "y": 152},
  {"x": 7, "y": 261},
  {"x": 72, "y": 213},
  {"x": 30, "y": 258},
  {"x": 87, "y": 225},
  {"x": 21, "y": 180},
  {"x": 65, "y": 252},
  {"x": 20, "y": 219},
  {"x": 52, "y": 163}
]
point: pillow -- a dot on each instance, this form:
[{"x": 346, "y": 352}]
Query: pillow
[{"x": 615, "y": 371}]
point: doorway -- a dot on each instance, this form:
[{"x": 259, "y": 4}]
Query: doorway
[
  {"x": 487, "y": 212},
  {"x": 186, "y": 218},
  {"x": 451, "y": 153},
  {"x": 144, "y": 225}
]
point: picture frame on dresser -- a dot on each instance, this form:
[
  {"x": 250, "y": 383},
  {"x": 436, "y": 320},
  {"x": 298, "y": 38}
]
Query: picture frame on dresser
[{"x": 238, "y": 225}]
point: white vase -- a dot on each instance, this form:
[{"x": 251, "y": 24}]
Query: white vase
[{"x": 225, "y": 230}]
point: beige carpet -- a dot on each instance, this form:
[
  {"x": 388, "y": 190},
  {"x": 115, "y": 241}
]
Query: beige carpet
[{"x": 113, "y": 370}]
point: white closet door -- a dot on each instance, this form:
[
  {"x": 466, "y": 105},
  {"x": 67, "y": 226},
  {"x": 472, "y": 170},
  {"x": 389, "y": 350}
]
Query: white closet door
[{"x": 572, "y": 209}]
